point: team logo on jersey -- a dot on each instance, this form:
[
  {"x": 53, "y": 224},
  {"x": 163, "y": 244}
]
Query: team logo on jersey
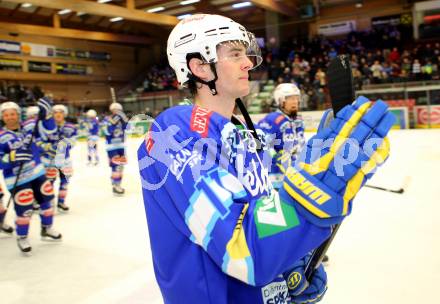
[
  {"x": 294, "y": 280},
  {"x": 24, "y": 197},
  {"x": 46, "y": 188},
  {"x": 273, "y": 216},
  {"x": 200, "y": 121}
]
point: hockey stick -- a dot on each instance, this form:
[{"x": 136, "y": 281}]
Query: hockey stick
[
  {"x": 399, "y": 191},
  {"x": 341, "y": 89}
]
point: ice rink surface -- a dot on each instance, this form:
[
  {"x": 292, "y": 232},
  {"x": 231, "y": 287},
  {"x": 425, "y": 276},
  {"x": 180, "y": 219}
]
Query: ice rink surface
[{"x": 387, "y": 251}]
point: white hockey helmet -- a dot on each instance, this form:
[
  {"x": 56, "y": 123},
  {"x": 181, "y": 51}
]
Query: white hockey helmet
[
  {"x": 199, "y": 35},
  {"x": 282, "y": 91},
  {"x": 7, "y": 105},
  {"x": 91, "y": 113},
  {"x": 115, "y": 106},
  {"x": 60, "y": 108},
  {"x": 32, "y": 111}
]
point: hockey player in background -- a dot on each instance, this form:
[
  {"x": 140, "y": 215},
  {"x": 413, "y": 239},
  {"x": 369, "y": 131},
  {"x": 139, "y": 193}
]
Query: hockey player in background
[
  {"x": 32, "y": 112},
  {"x": 56, "y": 153},
  {"x": 17, "y": 150},
  {"x": 219, "y": 232},
  {"x": 114, "y": 130},
  {"x": 92, "y": 125},
  {"x": 285, "y": 131},
  {"x": 4, "y": 227}
]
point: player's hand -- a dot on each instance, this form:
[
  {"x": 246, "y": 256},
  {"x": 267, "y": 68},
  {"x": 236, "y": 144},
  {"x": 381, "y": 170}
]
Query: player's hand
[
  {"x": 337, "y": 162},
  {"x": 300, "y": 290},
  {"x": 45, "y": 106}
]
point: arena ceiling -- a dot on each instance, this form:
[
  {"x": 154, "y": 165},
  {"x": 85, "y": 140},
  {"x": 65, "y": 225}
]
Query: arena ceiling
[{"x": 137, "y": 21}]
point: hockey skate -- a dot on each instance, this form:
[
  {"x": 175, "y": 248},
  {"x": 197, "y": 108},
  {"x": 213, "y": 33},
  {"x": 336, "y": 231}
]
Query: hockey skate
[
  {"x": 49, "y": 233},
  {"x": 118, "y": 190},
  {"x": 63, "y": 207},
  {"x": 6, "y": 228},
  {"x": 23, "y": 244}
]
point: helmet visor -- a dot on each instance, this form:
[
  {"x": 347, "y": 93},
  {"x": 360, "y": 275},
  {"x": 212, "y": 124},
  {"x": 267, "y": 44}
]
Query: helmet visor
[{"x": 241, "y": 51}]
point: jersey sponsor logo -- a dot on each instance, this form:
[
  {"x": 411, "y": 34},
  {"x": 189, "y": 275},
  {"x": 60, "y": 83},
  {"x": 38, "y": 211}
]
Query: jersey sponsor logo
[
  {"x": 294, "y": 280},
  {"x": 308, "y": 188},
  {"x": 273, "y": 216},
  {"x": 149, "y": 142},
  {"x": 256, "y": 181},
  {"x": 46, "y": 188},
  {"x": 276, "y": 293},
  {"x": 51, "y": 172},
  {"x": 200, "y": 121},
  {"x": 24, "y": 197},
  {"x": 279, "y": 119},
  {"x": 182, "y": 159}
]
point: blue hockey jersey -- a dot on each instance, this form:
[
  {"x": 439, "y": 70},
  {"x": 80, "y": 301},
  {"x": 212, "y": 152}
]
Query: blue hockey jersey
[
  {"x": 16, "y": 139},
  {"x": 285, "y": 138},
  {"x": 114, "y": 130},
  {"x": 92, "y": 126},
  {"x": 219, "y": 232},
  {"x": 64, "y": 138}
]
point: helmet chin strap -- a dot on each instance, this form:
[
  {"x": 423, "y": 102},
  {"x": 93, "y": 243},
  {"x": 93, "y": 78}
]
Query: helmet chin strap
[{"x": 249, "y": 123}]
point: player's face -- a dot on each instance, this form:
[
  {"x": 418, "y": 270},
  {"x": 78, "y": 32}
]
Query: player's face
[
  {"x": 291, "y": 104},
  {"x": 58, "y": 116},
  {"x": 10, "y": 118},
  {"x": 233, "y": 70}
]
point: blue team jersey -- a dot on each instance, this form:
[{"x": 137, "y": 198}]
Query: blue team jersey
[
  {"x": 16, "y": 139},
  {"x": 219, "y": 232},
  {"x": 114, "y": 131},
  {"x": 92, "y": 125},
  {"x": 64, "y": 137},
  {"x": 285, "y": 137}
]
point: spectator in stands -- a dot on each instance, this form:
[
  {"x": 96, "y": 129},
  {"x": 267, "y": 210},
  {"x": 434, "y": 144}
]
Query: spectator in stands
[{"x": 416, "y": 70}]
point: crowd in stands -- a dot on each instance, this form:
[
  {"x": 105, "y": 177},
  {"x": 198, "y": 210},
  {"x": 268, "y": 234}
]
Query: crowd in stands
[
  {"x": 381, "y": 55},
  {"x": 22, "y": 95},
  {"x": 159, "y": 78},
  {"x": 377, "y": 56}
]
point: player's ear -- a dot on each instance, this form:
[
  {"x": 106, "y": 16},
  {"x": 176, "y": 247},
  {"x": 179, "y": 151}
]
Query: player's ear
[{"x": 199, "y": 68}]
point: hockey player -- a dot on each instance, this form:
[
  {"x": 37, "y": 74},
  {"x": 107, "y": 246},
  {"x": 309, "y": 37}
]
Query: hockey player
[
  {"x": 114, "y": 130},
  {"x": 56, "y": 153},
  {"x": 92, "y": 125},
  {"x": 285, "y": 131},
  {"x": 4, "y": 227},
  {"x": 219, "y": 232},
  {"x": 32, "y": 112},
  {"x": 18, "y": 151}
]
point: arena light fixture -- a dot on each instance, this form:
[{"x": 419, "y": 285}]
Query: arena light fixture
[
  {"x": 186, "y": 2},
  {"x": 241, "y": 4},
  {"x": 26, "y": 5},
  {"x": 104, "y": 1},
  {"x": 64, "y": 11},
  {"x": 183, "y": 16},
  {"x": 156, "y": 9},
  {"x": 116, "y": 19}
]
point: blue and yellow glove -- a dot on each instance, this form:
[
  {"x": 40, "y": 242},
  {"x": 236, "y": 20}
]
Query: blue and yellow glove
[
  {"x": 337, "y": 162},
  {"x": 45, "y": 106},
  {"x": 300, "y": 290}
]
